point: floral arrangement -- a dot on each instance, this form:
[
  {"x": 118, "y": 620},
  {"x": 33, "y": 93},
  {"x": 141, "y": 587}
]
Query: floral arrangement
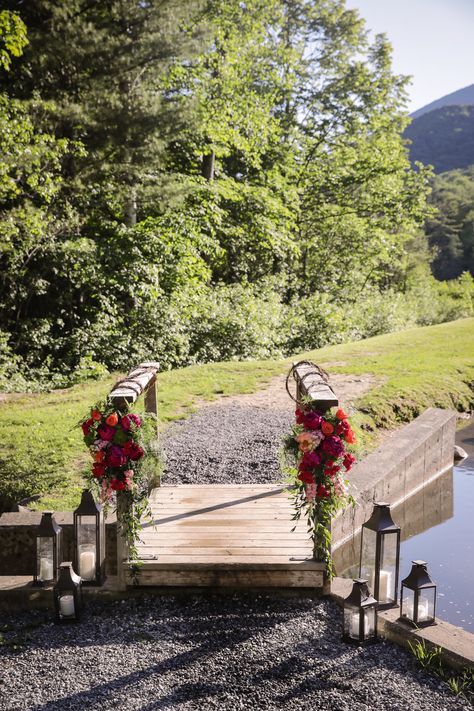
[
  {"x": 117, "y": 441},
  {"x": 318, "y": 444}
]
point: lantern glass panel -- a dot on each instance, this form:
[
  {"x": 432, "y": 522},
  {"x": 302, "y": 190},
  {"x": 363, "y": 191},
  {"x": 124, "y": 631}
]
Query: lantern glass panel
[
  {"x": 352, "y": 616},
  {"x": 388, "y": 568},
  {"x": 45, "y": 558},
  {"x": 426, "y": 605},
  {"x": 369, "y": 547},
  {"x": 87, "y": 546},
  {"x": 351, "y": 622},
  {"x": 408, "y": 603}
]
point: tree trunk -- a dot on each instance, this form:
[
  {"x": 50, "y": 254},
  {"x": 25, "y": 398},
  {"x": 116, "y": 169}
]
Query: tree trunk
[
  {"x": 131, "y": 209},
  {"x": 207, "y": 166}
]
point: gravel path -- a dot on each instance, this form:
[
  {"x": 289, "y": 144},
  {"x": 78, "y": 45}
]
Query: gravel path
[
  {"x": 223, "y": 444},
  {"x": 240, "y": 652}
]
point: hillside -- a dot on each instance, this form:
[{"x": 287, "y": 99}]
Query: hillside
[
  {"x": 443, "y": 138},
  {"x": 461, "y": 97}
]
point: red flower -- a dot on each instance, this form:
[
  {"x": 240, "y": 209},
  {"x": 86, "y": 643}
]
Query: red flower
[
  {"x": 115, "y": 456},
  {"x": 299, "y": 414},
  {"x": 117, "y": 485},
  {"x": 350, "y": 437},
  {"x": 112, "y": 419},
  {"x": 86, "y": 426},
  {"x": 133, "y": 450},
  {"x": 327, "y": 428},
  {"x": 98, "y": 470},
  {"x": 311, "y": 420},
  {"x": 96, "y": 415},
  {"x": 342, "y": 427},
  {"x": 341, "y": 415},
  {"x": 310, "y": 460},
  {"x": 348, "y": 461},
  {"x": 322, "y": 492},
  {"x": 307, "y": 477}
]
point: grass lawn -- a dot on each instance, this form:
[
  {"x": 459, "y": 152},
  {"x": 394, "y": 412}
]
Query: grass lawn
[{"x": 42, "y": 451}]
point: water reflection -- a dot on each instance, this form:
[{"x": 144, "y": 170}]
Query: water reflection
[{"x": 436, "y": 526}]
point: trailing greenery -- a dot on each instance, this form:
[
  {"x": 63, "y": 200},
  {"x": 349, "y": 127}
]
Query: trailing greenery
[{"x": 41, "y": 449}]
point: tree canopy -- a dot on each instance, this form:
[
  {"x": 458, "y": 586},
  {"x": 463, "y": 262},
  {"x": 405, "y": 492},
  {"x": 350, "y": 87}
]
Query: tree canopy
[{"x": 177, "y": 167}]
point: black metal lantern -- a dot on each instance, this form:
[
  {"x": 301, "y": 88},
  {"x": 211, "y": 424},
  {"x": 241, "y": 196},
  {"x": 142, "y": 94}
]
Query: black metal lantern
[
  {"x": 418, "y": 596},
  {"x": 380, "y": 555},
  {"x": 48, "y": 547},
  {"x": 89, "y": 540},
  {"x": 360, "y": 615},
  {"x": 67, "y": 595}
]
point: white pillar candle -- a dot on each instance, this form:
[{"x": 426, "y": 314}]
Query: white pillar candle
[
  {"x": 46, "y": 569},
  {"x": 66, "y": 605},
  {"x": 355, "y": 625},
  {"x": 87, "y": 565},
  {"x": 385, "y": 586},
  {"x": 423, "y": 609}
]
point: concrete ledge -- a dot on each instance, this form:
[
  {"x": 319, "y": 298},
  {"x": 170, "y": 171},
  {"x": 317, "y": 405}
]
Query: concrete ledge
[
  {"x": 17, "y": 541},
  {"x": 414, "y": 456},
  {"x": 456, "y": 644}
]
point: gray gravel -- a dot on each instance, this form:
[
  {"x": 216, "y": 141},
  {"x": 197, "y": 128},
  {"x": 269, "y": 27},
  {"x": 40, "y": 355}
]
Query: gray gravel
[
  {"x": 223, "y": 445},
  {"x": 239, "y": 652}
]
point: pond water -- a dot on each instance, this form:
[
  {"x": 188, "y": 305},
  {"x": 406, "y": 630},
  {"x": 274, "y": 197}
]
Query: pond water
[{"x": 438, "y": 527}]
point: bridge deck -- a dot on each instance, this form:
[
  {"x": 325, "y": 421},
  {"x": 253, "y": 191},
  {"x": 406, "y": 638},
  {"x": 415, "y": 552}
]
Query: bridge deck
[{"x": 226, "y": 536}]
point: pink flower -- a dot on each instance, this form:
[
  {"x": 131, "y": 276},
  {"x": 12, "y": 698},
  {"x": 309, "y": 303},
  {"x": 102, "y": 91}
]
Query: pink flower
[
  {"x": 106, "y": 432},
  {"x": 101, "y": 444},
  {"x": 310, "y": 491},
  {"x": 308, "y": 440},
  {"x": 127, "y": 420}
]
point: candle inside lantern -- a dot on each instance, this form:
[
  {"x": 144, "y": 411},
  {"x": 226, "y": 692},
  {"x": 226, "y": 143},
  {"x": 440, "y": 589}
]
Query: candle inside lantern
[
  {"x": 87, "y": 565},
  {"x": 423, "y": 609},
  {"x": 66, "y": 605},
  {"x": 385, "y": 585},
  {"x": 46, "y": 569},
  {"x": 355, "y": 625}
]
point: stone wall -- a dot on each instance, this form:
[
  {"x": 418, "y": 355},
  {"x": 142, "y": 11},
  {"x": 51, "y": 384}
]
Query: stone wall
[
  {"x": 17, "y": 542},
  {"x": 409, "y": 460}
]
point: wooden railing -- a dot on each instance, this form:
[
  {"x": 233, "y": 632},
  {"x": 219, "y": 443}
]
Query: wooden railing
[
  {"x": 141, "y": 379},
  {"x": 312, "y": 382}
]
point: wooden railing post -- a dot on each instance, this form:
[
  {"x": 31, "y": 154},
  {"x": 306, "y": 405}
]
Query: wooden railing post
[{"x": 126, "y": 392}]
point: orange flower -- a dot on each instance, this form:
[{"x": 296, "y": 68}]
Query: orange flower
[
  {"x": 341, "y": 415},
  {"x": 350, "y": 437},
  {"x": 96, "y": 415},
  {"x": 112, "y": 419},
  {"x": 327, "y": 428},
  {"x": 99, "y": 456}
]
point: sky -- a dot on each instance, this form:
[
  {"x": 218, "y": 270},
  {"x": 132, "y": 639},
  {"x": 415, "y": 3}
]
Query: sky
[{"x": 433, "y": 40}]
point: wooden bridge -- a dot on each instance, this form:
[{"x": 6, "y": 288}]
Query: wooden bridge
[{"x": 214, "y": 536}]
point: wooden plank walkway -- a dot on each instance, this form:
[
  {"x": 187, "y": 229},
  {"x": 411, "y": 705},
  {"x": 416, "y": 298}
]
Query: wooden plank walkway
[{"x": 226, "y": 536}]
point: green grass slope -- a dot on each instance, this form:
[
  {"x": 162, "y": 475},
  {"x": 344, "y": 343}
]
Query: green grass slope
[{"x": 41, "y": 450}]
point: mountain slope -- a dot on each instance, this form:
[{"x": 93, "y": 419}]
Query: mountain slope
[
  {"x": 461, "y": 97},
  {"x": 443, "y": 138}
]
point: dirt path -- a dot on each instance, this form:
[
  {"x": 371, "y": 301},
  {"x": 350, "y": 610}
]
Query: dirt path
[{"x": 274, "y": 397}]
